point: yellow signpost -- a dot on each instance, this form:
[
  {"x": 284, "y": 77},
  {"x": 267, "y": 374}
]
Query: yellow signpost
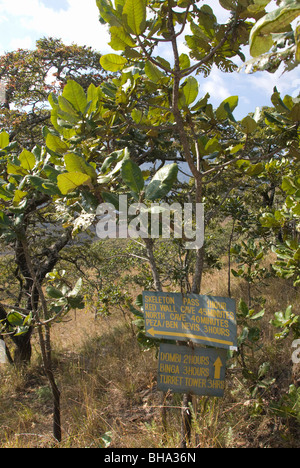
[
  {"x": 204, "y": 320},
  {"x": 185, "y": 370}
]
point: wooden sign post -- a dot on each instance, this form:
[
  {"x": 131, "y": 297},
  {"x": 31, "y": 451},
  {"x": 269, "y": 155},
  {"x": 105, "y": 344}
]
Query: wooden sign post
[{"x": 202, "y": 320}]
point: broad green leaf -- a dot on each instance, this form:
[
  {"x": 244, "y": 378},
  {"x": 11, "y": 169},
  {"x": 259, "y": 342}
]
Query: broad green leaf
[
  {"x": 5, "y": 194},
  {"x": 295, "y": 113},
  {"x": 44, "y": 185},
  {"x": 274, "y": 22},
  {"x": 4, "y": 140},
  {"x": 162, "y": 182},
  {"x": 107, "y": 13},
  {"x": 15, "y": 319},
  {"x": 75, "y": 94},
  {"x": 93, "y": 96},
  {"x": 27, "y": 160},
  {"x": 184, "y": 61},
  {"x": 279, "y": 103},
  {"x": 54, "y": 143},
  {"x": 76, "y": 302},
  {"x": 54, "y": 292},
  {"x": 109, "y": 197},
  {"x": 113, "y": 62},
  {"x": 153, "y": 72},
  {"x": 259, "y": 315},
  {"x": 228, "y": 4},
  {"x": 132, "y": 176},
  {"x": 221, "y": 112},
  {"x": 134, "y": 16},
  {"x": 138, "y": 116},
  {"x": 243, "y": 308},
  {"x": 297, "y": 39},
  {"x": 18, "y": 197},
  {"x": 248, "y": 125},
  {"x": 69, "y": 112},
  {"x": 76, "y": 290},
  {"x": 75, "y": 163},
  {"x": 255, "y": 169},
  {"x": 108, "y": 162},
  {"x": 5, "y": 222},
  {"x": 120, "y": 39},
  {"x": 16, "y": 170},
  {"x": 191, "y": 90},
  {"x": 70, "y": 181},
  {"x": 288, "y": 186}
]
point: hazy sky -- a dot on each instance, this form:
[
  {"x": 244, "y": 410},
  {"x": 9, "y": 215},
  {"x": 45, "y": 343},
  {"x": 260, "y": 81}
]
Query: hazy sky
[{"x": 22, "y": 22}]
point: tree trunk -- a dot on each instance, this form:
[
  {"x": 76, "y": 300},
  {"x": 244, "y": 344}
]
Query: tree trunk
[{"x": 23, "y": 352}]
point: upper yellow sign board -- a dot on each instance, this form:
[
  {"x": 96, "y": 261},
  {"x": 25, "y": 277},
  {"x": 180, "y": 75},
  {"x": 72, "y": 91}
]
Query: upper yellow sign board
[{"x": 202, "y": 319}]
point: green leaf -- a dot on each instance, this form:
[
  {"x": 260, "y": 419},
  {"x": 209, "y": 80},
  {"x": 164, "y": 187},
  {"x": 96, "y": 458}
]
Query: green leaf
[
  {"x": 15, "y": 319},
  {"x": 153, "y": 72},
  {"x": 107, "y": 13},
  {"x": 70, "y": 181},
  {"x": 138, "y": 116},
  {"x": 228, "y": 4},
  {"x": 190, "y": 90},
  {"x": 44, "y": 185},
  {"x": 5, "y": 194},
  {"x": 16, "y": 170},
  {"x": 75, "y": 94},
  {"x": 259, "y": 315},
  {"x": 134, "y": 16},
  {"x": 75, "y": 163},
  {"x": 76, "y": 290},
  {"x": 93, "y": 96},
  {"x": 295, "y": 113},
  {"x": 120, "y": 39},
  {"x": 76, "y": 302},
  {"x": 54, "y": 293},
  {"x": 261, "y": 39},
  {"x": 248, "y": 125},
  {"x": 54, "y": 143},
  {"x": 27, "y": 160},
  {"x": 18, "y": 197},
  {"x": 132, "y": 176},
  {"x": 288, "y": 186},
  {"x": 109, "y": 197},
  {"x": 221, "y": 112},
  {"x": 184, "y": 61},
  {"x": 67, "y": 107},
  {"x": 4, "y": 140},
  {"x": 4, "y": 221},
  {"x": 162, "y": 182},
  {"x": 113, "y": 62},
  {"x": 243, "y": 308}
]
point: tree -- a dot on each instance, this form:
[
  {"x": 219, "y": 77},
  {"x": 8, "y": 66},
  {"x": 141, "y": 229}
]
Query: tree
[
  {"x": 137, "y": 28},
  {"x": 274, "y": 41},
  {"x": 30, "y": 75},
  {"x": 26, "y": 192}
]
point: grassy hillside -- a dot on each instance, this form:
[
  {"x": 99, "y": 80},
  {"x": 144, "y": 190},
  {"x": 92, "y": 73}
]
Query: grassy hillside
[{"x": 109, "y": 393}]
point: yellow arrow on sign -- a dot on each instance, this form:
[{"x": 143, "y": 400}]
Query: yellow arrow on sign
[
  {"x": 218, "y": 365},
  {"x": 175, "y": 334}
]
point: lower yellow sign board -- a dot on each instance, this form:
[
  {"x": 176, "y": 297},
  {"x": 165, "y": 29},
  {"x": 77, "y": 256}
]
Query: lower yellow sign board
[{"x": 185, "y": 370}]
